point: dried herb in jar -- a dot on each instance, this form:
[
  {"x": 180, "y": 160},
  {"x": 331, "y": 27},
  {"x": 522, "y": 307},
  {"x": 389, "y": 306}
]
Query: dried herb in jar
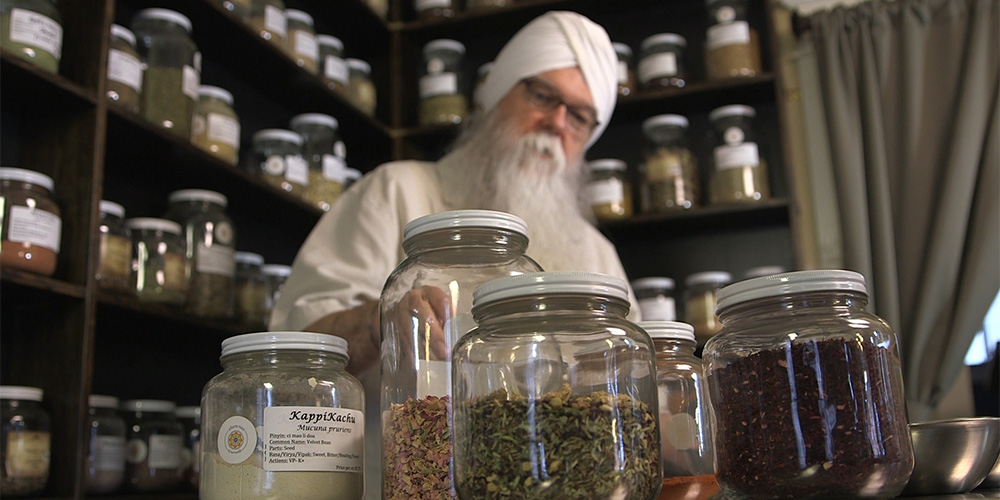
[{"x": 416, "y": 450}]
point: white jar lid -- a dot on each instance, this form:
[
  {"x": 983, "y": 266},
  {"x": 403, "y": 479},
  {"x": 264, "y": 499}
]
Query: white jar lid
[
  {"x": 248, "y": 258},
  {"x": 123, "y": 33},
  {"x": 165, "y": 15},
  {"x": 150, "y": 223},
  {"x": 657, "y": 39},
  {"x": 658, "y": 120},
  {"x": 314, "y": 119},
  {"x": 102, "y": 401},
  {"x": 708, "y": 277},
  {"x": 276, "y": 270},
  {"x": 198, "y": 195},
  {"x": 551, "y": 282},
  {"x": 443, "y": 44},
  {"x": 607, "y": 164},
  {"x": 732, "y": 110},
  {"x": 298, "y": 15},
  {"x": 278, "y": 134},
  {"x": 110, "y": 207},
  {"x": 790, "y": 283},
  {"x": 653, "y": 282},
  {"x": 150, "y": 405},
  {"x": 358, "y": 64},
  {"x": 465, "y": 218},
  {"x": 330, "y": 41},
  {"x": 674, "y": 330},
  {"x": 284, "y": 340},
  {"x": 757, "y": 272},
  {"x": 622, "y": 49},
  {"x": 21, "y": 392},
  {"x": 216, "y": 92},
  {"x": 188, "y": 412},
  {"x": 25, "y": 175}
]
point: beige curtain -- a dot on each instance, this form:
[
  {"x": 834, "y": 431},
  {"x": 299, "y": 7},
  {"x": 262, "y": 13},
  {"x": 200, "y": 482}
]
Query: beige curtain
[{"x": 908, "y": 95}]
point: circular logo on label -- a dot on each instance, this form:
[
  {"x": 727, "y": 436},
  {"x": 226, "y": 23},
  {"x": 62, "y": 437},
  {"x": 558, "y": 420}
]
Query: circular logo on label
[
  {"x": 137, "y": 451},
  {"x": 435, "y": 66},
  {"x": 224, "y": 233},
  {"x": 725, "y": 14},
  {"x": 237, "y": 439},
  {"x": 340, "y": 149},
  {"x": 274, "y": 165},
  {"x": 733, "y": 135}
]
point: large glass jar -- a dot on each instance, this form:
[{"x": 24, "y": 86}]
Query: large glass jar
[
  {"x": 114, "y": 254},
  {"x": 740, "y": 174},
  {"x": 609, "y": 190},
  {"x": 302, "y": 40},
  {"x": 31, "y": 225},
  {"x": 806, "y": 391},
  {"x": 624, "y": 72},
  {"x": 655, "y": 295},
  {"x": 699, "y": 302},
  {"x": 732, "y": 45},
  {"x": 441, "y": 97},
  {"x": 216, "y": 127},
  {"x": 32, "y": 30},
  {"x": 425, "y": 308},
  {"x": 282, "y": 395},
  {"x": 267, "y": 17},
  {"x": 154, "y": 440},
  {"x": 105, "y": 469},
  {"x": 160, "y": 266},
  {"x": 277, "y": 160},
  {"x": 26, "y": 441},
  {"x": 669, "y": 175},
  {"x": 361, "y": 87},
  {"x": 326, "y": 155},
  {"x": 171, "y": 76},
  {"x": 333, "y": 66},
  {"x": 555, "y": 393},
  {"x": 662, "y": 62},
  {"x": 210, "y": 241},
  {"x": 124, "y": 69},
  {"x": 252, "y": 299},
  {"x": 435, "y": 9},
  {"x": 190, "y": 419}
]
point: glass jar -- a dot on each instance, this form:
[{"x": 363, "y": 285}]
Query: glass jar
[
  {"x": 757, "y": 272},
  {"x": 105, "y": 470},
  {"x": 435, "y": 9},
  {"x": 441, "y": 83},
  {"x": 685, "y": 424},
  {"x": 361, "y": 87},
  {"x": 699, "y": 302},
  {"x": 326, "y": 155},
  {"x": 662, "y": 63},
  {"x": 555, "y": 381},
  {"x": 275, "y": 276},
  {"x": 333, "y": 66},
  {"x": 31, "y": 227},
  {"x": 160, "y": 266},
  {"x": 190, "y": 419},
  {"x": 210, "y": 241},
  {"x": 626, "y": 77},
  {"x": 669, "y": 175},
  {"x": 425, "y": 308},
  {"x": 171, "y": 76},
  {"x": 281, "y": 395},
  {"x": 802, "y": 366},
  {"x": 267, "y": 17},
  {"x": 124, "y": 69},
  {"x": 114, "y": 254},
  {"x": 32, "y": 30},
  {"x": 252, "y": 299},
  {"x": 277, "y": 160},
  {"x": 302, "y": 43},
  {"x": 655, "y": 296},
  {"x": 740, "y": 174},
  {"x": 26, "y": 441},
  {"x": 609, "y": 190},
  {"x": 216, "y": 126},
  {"x": 154, "y": 438},
  {"x": 239, "y": 8},
  {"x": 486, "y": 4},
  {"x": 732, "y": 45}
]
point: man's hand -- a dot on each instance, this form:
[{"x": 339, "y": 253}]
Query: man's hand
[{"x": 421, "y": 315}]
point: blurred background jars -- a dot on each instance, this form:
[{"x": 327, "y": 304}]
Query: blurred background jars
[
  {"x": 252, "y": 297},
  {"x": 732, "y": 45},
  {"x": 662, "y": 62},
  {"x": 656, "y": 298},
  {"x": 441, "y": 97},
  {"x": 114, "y": 253},
  {"x": 699, "y": 302},
  {"x": 669, "y": 177},
  {"x": 31, "y": 224},
  {"x": 239, "y": 8},
  {"x": 32, "y": 30},
  {"x": 105, "y": 469},
  {"x": 124, "y": 69},
  {"x": 27, "y": 441},
  {"x": 609, "y": 190},
  {"x": 190, "y": 469},
  {"x": 301, "y": 43},
  {"x": 216, "y": 127},
  {"x": 326, "y": 155},
  {"x": 624, "y": 73},
  {"x": 160, "y": 265},
  {"x": 155, "y": 439},
  {"x": 277, "y": 160},
  {"x": 435, "y": 9},
  {"x": 740, "y": 174},
  {"x": 267, "y": 17},
  {"x": 275, "y": 276},
  {"x": 361, "y": 88},
  {"x": 333, "y": 66},
  {"x": 172, "y": 72}
]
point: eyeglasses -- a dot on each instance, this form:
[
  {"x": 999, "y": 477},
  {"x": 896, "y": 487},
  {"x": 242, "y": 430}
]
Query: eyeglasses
[{"x": 580, "y": 119}]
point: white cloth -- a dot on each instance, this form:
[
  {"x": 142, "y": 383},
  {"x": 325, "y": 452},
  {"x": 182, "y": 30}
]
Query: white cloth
[{"x": 557, "y": 40}]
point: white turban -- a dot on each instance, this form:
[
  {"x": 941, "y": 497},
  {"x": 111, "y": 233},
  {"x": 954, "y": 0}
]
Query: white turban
[{"x": 557, "y": 40}]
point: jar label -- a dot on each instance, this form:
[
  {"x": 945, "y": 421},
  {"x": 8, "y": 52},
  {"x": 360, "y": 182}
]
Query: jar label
[
  {"x": 309, "y": 438},
  {"x": 657, "y": 66},
  {"x": 137, "y": 451},
  {"x": 192, "y": 80},
  {"x": 215, "y": 259},
  {"x": 334, "y": 169},
  {"x": 38, "y": 227},
  {"x": 115, "y": 255},
  {"x": 275, "y": 20},
  {"x": 237, "y": 439},
  {"x": 335, "y": 68},
  {"x": 720, "y": 35},
  {"x": 296, "y": 170},
  {"x": 740, "y": 155},
  {"x": 174, "y": 272},
  {"x": 27, "y": 454},
  {"x": 109, "y": 453},
  {"x": 36, "y": 30},
  {"x": 658, "y": 309},
  {"x": 224, "y": 129},
  {"x": 622, "y": 72},
  {"x": 164, "y": 451},
  {"x": 431, "y": 4},
  {"x": 607, "y": 191},
  {"x": 306, "y": 46},
  {"x": 125, "y": 68},
  {"x": 439, "y": 84}
]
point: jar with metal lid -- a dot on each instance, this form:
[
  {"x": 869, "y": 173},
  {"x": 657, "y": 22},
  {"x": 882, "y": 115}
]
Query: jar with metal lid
[
  {"x": 31, "y": 227},
  {"x": 669, "y": 175},
  {"x": 26, "y": 441},
  {"x": 609, "y": 190},
  {"x": 284, "y": 419},
  {"x": 190, "y": 419},
  {"x": 124, "y": 69},
  {"x": 800, "y": 364},
  {"x": 699, "y": 302},
  {"x": 435, "y": 9},
  {"x": 326, "y": 155},
  {"x": 625, "y": 75},
  {"x": 216, "y": 127},
  {"x": 172, "y": 72},
  {"x": 32, "y": 30},
  {"x": 302, "y": 43},
  {"x": 685, "y": 423},
  {"x": 277, "y": 160},
  {"x": 275, "y": 276},
  {"x": 425, "y": 308},
  {"x": 333, "y": 65},
  {"x": 160, "y": 266},
  {"x": 267, "y": 17},
  {"x": 360, "y": 86},
  {"x": 552, "y": 382},
  {"x": 655, "y": 296},
  {"x": 114, "y": 253},
  {"x": 105, "y": 469},
  {"x": 662, "y": 62},
  {"x": 732, "y": 45},
  {"x": 486, "y": 4},
  {"x": 154, "y": 441},
  {"x": 441, "y": 83},
  {"x": 239, "y": 8},
  {"x": 740, "y": 174},
  {"x": 252, "y": 300}
]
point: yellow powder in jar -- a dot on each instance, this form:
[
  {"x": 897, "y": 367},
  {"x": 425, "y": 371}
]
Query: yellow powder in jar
[{"x": 221, "y": 481}]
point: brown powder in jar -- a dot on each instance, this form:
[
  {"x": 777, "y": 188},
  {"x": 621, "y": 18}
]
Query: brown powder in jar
[
  {"x": 27, "y": 257},
  {"x": 689, "y": 488}
]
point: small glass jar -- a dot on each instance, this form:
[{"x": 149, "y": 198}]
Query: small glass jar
[
  {"x": 31, "y": 227},
  {"x": 239, "y": 8},
  {"x": 361, "y": 87},
  {"x": 190, "y": 419},
  {"x": 252, "y": 299},
  {"x": 32, "y": 30},
  {"x": 486, "y": 4},
  {"x": 732, "y": 45},
  {"x": 609, "y": 190},
  {"x": 685, "y": 423},
  {"x": 172, "y": 72},
  {"x": 105, "y": 471},
  {"x": 740, "y": 174},
  {"x": 655, "y": 296},
  {"x": 552, "y": 382},
  {"x": 333, "y": 65},
  {"x": 669, "y": 175},
  {"x": 699, "y": 302},
  {"x": 275, "y": 276},
  {"x": 124, "y": 69},
  {"x": 435, "y": 9},
  {"x": 326, "y": 155},
  {"x": 302, "y": 43},
  {"x": 27, "y": 441},
  {"x": 155, "y": 438},
  {"x": 216, "y": 126},
  {"x": 277, "y": 160},
  {"x": 662, "y": 63},
  {"x": 114, "y": 254},
  {"x": 281, "y": 395},
  {"x": 160, "y": 265},
  {"x": 625, "y": 75},
  {"x": 802, "y": 366},
  {"x": 267, "y": 17},
  {"x": 441, "y": 83}
]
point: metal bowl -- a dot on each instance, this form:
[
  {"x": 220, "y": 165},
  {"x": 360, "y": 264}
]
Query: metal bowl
[{"x": 952, "y": 456}]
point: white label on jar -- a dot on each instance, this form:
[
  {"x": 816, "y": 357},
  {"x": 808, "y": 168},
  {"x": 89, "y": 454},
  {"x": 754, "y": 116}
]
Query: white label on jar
[
  {"x": 191, "y": 82},
  {"x": 657, "y": 66},
  {"x": 164, "y": 451},
  {"x": 658, "y": 308},
  {"x": 137, "y": 451},
  {"x": 36, "y": 30},
  {"x": 125, "y": 68},
  {"x": 27, "y": 454},
  {"x": 309, "y": 438},
  {"x": 622, "y": 72},
  {"x": 334, "y": 168},
  {"x": 439, "y": 84},
  {"x": 296, "y": 170},
  {"x": 38, "y": 227},
  {"x": 275, "y": 20},
  {"x": 431, "y": 4},
  {"x": 224, "y": 129},
  {"x": 340, "y": 149},
  {"x": 109, "y": 453},
  {"x": 237, "y": 439},
  {"x": 215, "y": 259},
  {"x": 305, "y": 45},
  {"x": 720, "y": 35},
  {"x": 607, "y": 191},
  {"x": 741, "y": 155},
  {"x": 274, "y": 165},
  {"x": 335, "y": 68}
]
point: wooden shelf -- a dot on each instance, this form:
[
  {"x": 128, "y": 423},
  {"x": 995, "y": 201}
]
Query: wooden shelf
[
  {"x": 25, "y": 80},
  {"x": 26, "y": 282},
  {"x": 710, "y": 219}
]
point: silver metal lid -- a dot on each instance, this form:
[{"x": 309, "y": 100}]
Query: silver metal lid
[
  {"x": 465, "y": 218},
  {"x": 285, "y": 341},
  {"x": 777, "y": 285}
]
